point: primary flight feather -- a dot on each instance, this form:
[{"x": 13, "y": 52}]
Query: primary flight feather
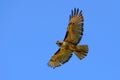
[{"x": 72, "y": 38}]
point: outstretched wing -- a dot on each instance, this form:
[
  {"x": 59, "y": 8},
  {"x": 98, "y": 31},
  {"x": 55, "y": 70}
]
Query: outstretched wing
[
  {"x": 60, "y": 57},
  {"x": 75, "y": 27}
]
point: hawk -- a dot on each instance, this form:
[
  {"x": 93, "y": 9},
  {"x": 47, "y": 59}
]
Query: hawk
[{"x": 69, "y": 44}]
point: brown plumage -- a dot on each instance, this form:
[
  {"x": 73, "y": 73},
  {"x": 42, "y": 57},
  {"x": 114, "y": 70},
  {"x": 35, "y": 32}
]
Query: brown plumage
[{"x": 69, "y": 44}]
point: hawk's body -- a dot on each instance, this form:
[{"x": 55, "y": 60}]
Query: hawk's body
[{"x": 69, "y": 44}]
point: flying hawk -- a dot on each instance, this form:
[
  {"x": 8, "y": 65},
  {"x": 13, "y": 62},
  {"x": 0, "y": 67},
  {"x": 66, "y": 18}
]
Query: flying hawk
[{"x": 69, "y": 44}]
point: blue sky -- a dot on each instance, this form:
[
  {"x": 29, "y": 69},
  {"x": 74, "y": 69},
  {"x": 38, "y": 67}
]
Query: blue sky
[{"x": 30, "y": 28}]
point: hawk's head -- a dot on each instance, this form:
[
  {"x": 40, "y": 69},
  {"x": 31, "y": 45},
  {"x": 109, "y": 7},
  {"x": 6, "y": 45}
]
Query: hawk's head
[{"x": 59, "y": 43}]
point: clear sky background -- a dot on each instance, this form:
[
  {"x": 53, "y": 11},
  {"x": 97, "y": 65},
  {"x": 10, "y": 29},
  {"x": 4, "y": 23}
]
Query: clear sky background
[{"x": 29, "y": 30}]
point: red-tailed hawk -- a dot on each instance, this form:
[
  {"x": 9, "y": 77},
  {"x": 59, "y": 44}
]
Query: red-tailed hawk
[{"x": 69, "y": 44}]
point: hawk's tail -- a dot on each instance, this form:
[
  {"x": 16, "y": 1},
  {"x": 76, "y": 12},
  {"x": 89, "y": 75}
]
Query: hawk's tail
[{"x": 81, "y": 51}]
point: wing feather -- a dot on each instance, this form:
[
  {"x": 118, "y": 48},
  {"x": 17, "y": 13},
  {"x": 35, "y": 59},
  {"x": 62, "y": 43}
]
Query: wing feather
[
  {"x": 60, "y": 57},
  {"x": 75, "y": 27}
]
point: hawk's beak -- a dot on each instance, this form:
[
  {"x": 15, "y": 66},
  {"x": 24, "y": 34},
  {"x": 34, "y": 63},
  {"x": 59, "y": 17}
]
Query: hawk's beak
[{"x": 57, "y": 42}]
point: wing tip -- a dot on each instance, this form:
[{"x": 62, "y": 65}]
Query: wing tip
[
  {"x": 53, "y": 64},
  {"x": 75, "y": 12}
]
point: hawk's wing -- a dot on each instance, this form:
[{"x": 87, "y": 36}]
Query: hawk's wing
[
  {"x": 60, "y": 57},
  {"x": 75, "y": 27}
]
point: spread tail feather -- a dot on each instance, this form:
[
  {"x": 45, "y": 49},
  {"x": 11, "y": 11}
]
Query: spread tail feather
[{"x": 81, "y": 51}]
